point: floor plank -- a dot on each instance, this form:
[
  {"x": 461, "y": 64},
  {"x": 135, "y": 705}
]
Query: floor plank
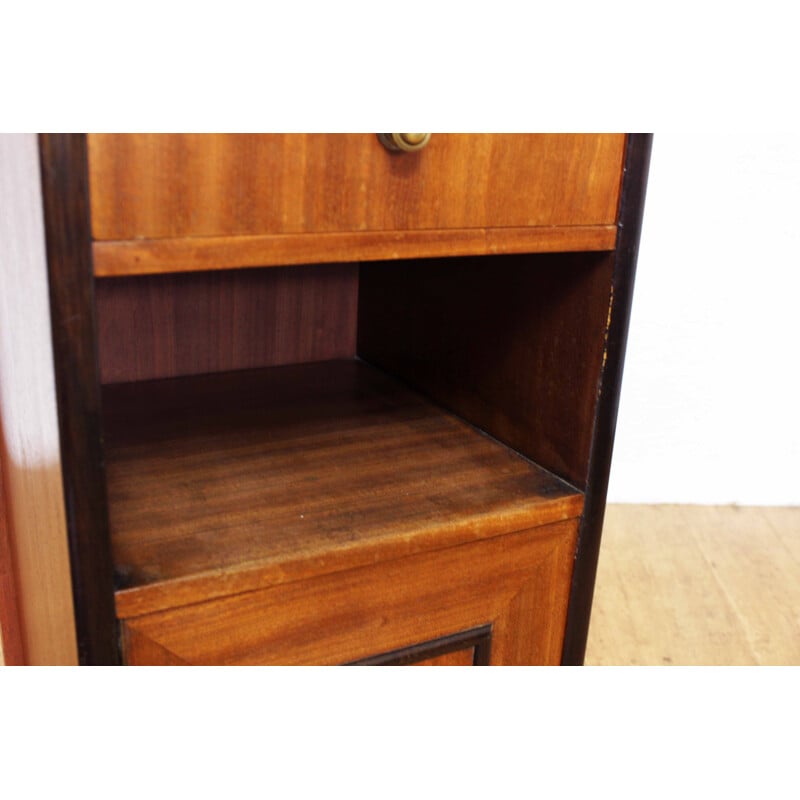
[{"x": 697, "y": 585}]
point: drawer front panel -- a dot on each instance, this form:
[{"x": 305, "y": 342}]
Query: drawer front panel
[
  {"x": 220, "y": 185},
  {"x": 517, "y": 584}
]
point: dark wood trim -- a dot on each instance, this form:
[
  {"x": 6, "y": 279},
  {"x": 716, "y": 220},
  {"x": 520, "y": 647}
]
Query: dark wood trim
[
  {"x": 65, "y": 190},
  {"x": 634, "y": 184},
  {"x": 480, "y": 638}
]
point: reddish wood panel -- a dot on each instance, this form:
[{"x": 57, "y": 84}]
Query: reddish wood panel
[
  {"x": 237, "y": 481},
  {"x": 147, "y": 652},
  {"x": 155, "y": 256},
  {"x": 165, "y": 326},
  {"x": 513, "y": 344},
  {"x": 35, "y": 230},
  {"x": 518, "y": 583},
  {"x": 11, "y": 651},
  {"x": 192, "y": 185}
]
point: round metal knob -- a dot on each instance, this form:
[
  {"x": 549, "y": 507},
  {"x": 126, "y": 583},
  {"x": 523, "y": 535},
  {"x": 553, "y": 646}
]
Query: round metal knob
[{"x": 407, "y": 142}]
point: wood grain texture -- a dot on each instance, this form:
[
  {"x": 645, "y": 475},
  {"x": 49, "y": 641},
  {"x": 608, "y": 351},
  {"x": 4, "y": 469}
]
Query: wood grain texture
[
  {"x": 39, "y": 611},
  {"x": 65, "y": 195},
  {"x": 517, "y": 583},
  {"x": 145, "y": 652},
  {"x": 513, "y": 344},
  {"x": 196, "y": 185},
  {"x": 156, "y": 256},
  {"x": 228, "y": 483},
  {"x": 697, "y": 585},
  {"x": 11, "y": 651},
  {"x": 166, "y": 326}
]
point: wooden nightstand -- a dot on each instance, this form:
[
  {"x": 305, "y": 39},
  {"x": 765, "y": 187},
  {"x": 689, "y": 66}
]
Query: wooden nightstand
[{"x": 322, "y": 403}]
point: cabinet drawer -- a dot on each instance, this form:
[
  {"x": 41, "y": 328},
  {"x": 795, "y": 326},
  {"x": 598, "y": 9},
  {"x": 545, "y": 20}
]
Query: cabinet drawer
[
  {"x": 160, "y": 186},
  {"x": 506, "y": 596},
  {"x": 256, "y": 200}
]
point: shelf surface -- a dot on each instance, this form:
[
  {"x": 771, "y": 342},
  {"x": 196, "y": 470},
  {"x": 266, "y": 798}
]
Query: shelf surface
[{"x": 225, "y": 483}]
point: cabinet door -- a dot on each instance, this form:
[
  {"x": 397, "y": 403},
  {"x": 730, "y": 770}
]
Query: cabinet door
[{"x": 504, "y": 597}]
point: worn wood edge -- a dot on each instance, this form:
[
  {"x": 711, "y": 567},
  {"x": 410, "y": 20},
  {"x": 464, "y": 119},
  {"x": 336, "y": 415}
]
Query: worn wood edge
[
  {"x": 65, "y": 193},
  {"x": 212, "y": 584},
  {"x": 157, "y": 256},
  {"x": 632, "y": 197}
]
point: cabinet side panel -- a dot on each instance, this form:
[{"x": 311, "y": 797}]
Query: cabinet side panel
[
  {"x": 69, "y": 260},
  {"x": 10, "y": 633},
  {"x": 513, "y": 344},
  {"x": 634, "y": 187},
  {"x": 36, "y": 560},
  {"x": 166, "y": 326}
]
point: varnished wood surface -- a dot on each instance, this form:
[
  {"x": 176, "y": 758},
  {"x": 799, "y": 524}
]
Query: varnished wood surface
[
  {"x": 514, "y": 344},
  {"x": 226, "y": 483},
  {"x": 697, "y": 585},
  {"x": 517, "y": 583},
  {"x": 11, "y": 651},
  {"x": 164, "y": 326},
  {"x": 155, "y": 256},
  {"x": 603, "y": 426},
  {"x": 38, "y": 620},
  {"x": 195, "y": 185},
  {"x": 65, "y": 196}
]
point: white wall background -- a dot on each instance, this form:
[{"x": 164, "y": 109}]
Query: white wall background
[{"x": 710, "y": 403}]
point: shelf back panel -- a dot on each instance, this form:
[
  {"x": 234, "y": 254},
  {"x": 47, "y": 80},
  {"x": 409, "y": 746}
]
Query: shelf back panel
[
  {"x": 168, "y": 326},
  {"x": 512, "y": 344}
]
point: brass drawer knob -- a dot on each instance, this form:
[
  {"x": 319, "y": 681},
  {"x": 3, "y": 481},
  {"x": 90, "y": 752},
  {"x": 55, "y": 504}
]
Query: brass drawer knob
[{"x": 407, "y": 142}]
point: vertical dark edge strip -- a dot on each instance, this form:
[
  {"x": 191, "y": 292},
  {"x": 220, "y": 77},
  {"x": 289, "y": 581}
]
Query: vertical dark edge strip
[
  {"x": 634, "y": 185},
  {"x": 65, "y": 189},
  {"x": 483, "y": 650}
]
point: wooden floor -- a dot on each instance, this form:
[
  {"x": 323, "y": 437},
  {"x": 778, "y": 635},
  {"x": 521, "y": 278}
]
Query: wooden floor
[{"x": 697, "y": 585}]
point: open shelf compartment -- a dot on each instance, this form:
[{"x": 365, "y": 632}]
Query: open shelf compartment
[{"x": 231, "y": 482}]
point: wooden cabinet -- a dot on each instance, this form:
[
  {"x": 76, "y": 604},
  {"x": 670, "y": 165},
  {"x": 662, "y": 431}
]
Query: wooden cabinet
[{"x": 323, "y": 403}]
